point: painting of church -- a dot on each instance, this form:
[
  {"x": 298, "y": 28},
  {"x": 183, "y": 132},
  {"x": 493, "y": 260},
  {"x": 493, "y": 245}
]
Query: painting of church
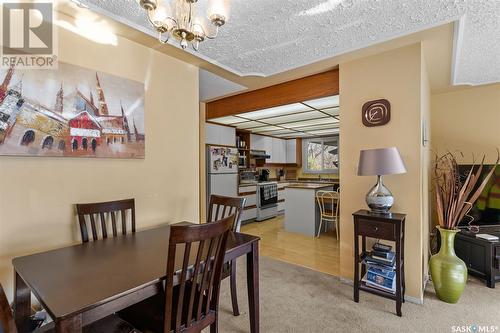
[{"x": 46, "y": 113}]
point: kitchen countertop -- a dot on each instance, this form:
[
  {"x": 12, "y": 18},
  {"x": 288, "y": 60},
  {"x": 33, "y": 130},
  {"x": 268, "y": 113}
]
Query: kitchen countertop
[{"x": 310, "y": 186}]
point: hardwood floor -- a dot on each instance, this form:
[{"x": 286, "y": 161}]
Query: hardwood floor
[{"x": 320, "y": 254}]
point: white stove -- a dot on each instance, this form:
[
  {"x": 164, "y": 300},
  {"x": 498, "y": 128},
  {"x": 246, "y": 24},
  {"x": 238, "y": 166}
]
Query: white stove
[{"x": 267, "y": 200}]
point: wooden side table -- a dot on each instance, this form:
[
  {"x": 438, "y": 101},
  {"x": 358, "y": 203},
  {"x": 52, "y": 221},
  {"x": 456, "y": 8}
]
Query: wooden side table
[{"x": 389, "y": 227}]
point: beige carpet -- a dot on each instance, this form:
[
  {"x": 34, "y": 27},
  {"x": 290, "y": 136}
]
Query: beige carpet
[{"x": 296, "y": 299}]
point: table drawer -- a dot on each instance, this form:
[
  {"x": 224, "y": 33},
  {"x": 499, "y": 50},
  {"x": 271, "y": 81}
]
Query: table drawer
[{"x": 376, "y": 229}]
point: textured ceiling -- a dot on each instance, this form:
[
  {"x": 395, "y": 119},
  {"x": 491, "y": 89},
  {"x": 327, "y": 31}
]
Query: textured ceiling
[{"x": 264, "y": 37}]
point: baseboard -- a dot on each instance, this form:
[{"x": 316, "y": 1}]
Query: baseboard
[
  {"x": 414, "y": 300},
  {"x": 427, "y": 278},
  {"x": 407, "y": 298}
]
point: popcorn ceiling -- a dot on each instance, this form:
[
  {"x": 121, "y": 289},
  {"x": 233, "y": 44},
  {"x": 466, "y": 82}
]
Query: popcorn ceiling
[{"x": 264, "y": 37}]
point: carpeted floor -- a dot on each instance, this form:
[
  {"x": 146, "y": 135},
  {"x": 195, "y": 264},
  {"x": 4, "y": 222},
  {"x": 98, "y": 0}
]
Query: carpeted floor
[{"x": 296, "y": 299}]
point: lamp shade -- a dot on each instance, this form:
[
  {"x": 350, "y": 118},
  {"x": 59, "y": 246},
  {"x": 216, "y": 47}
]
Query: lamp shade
[{"x": 379, "y": 162}]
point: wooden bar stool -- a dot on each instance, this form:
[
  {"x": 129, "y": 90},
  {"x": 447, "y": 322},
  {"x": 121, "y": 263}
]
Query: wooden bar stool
[{"x": 328, "y": 202}]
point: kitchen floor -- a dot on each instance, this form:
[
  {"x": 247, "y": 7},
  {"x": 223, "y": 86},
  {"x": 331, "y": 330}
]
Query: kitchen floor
[{"x": 319, "y": 254}]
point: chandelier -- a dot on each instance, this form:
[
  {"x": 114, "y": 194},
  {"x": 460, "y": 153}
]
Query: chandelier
[{"x": 180, "y": 21}]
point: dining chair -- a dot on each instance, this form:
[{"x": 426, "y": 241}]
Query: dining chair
[
  {"x": 328, "y": 202},
  {"x": 220, "y": 207},
  {"x": 110, "y": 324},
  {"x": 88, "y": 213},
  {"x": 195, "y": 256}
]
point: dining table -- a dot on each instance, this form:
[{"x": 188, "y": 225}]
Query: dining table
[{"x": 80, "y": 284}]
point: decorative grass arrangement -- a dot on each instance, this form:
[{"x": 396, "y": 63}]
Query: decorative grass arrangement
[{"x": 454, "y": 198}]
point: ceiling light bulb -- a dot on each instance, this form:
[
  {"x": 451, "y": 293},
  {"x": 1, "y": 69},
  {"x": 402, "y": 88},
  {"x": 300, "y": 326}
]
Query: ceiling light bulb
[
  {"x": 160, "y": 14},
  {"x": 218, "y": 8}
]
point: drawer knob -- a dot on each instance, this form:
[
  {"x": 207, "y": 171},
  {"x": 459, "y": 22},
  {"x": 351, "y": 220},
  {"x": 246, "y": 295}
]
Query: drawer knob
[{"x": 375, "y": 228}]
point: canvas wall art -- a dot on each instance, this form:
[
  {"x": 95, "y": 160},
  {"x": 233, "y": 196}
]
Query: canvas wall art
[{"x": 71, "y": 111}]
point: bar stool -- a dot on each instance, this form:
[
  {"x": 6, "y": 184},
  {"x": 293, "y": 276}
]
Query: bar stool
[{"x": 329, "y": 202}]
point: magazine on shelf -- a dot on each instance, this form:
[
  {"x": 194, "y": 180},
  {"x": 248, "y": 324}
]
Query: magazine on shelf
[
  {"x": 370, "y": 284},
  {"x": 383, "y": 278}
]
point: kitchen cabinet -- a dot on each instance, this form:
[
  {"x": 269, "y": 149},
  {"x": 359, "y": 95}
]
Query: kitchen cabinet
[
  {"x": 268, "y": 147},
  {"x": 291, "y": 151},
  {"x": 249, "y": 214},
  {"x": 278, "y": 151},
  {"x": 276, "y": 148},
  {"x": 220, "y": 135},
  {"x": 257, "y": 142}
]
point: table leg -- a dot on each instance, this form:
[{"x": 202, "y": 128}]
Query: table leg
[
  {"x": 22, "y": 303},
  {"x": 253, "y": 287},
  {"x": 356, "y": 267},
  {"x": 399, "y": 283},
  {"x": 69, "y": 325}
]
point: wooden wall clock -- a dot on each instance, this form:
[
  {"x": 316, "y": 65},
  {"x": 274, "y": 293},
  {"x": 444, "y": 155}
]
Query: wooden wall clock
[{"x": 376, "y": 113}]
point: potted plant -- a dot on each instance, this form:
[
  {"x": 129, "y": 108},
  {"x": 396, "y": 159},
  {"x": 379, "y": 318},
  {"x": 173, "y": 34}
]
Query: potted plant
[{"x": 454, "y": 199}]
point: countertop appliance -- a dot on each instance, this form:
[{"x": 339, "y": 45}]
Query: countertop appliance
[
  {"x": 248, "y": 176},
  {"x": 222, "y": 171},
  {"x": 264, "y": 175},
  {"x": 267, "y": 200},
  {"x": 259, "y": 154}
]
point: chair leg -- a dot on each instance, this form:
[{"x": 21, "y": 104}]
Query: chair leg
[
  {"x": 320, "y": 224},
  {"x": 232, "y": 281},
  {"x": 337, "y": 228}
]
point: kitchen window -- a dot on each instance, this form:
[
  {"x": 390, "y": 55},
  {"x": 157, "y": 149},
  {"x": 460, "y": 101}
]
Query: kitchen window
[{"x": 322, "y": 155}]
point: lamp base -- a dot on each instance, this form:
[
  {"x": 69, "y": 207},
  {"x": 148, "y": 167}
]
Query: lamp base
[{"x": 379, "y": 198}]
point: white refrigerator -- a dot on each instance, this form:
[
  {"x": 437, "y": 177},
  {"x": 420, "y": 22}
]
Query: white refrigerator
[{"x": 222, "y": 171}]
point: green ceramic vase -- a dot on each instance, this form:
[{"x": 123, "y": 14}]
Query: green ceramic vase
[{"x": 448, "y": 272}]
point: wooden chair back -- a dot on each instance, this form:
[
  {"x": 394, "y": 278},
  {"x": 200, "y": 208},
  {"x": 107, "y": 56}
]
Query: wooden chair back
[
  {"x": 328, "y": 199},
  {"x": 7, "y": 323},
  {"x": 200, "y": 275},
  {"x": 100, "y": 209},
  {"x": 220, "y": 207}
]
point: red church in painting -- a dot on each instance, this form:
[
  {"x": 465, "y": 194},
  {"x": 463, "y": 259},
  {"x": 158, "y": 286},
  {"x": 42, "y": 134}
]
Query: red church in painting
[{"x": 85, "y": 131}]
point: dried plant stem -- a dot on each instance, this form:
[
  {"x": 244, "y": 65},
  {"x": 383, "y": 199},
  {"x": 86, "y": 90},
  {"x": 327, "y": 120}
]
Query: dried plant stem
[{"x": 454, "y": 199}]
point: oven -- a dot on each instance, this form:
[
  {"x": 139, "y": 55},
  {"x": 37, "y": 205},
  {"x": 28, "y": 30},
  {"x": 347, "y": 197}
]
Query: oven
[{"x": 267, "y": 200}]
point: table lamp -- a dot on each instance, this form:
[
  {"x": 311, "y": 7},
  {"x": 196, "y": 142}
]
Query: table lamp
[{"x": 380, "y": 162}]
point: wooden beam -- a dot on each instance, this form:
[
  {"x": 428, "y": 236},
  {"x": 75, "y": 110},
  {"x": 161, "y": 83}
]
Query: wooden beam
[{"x": 310, "y": 87}]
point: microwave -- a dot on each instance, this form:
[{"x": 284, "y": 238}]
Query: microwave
[{"x": 242, "y": 161}]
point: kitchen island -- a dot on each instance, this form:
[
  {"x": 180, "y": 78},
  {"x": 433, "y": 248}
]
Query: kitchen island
[{"x": 301, "y": 210}]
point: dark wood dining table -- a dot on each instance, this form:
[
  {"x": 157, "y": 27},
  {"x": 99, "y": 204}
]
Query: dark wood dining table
[{"x": 80, "y": 284}]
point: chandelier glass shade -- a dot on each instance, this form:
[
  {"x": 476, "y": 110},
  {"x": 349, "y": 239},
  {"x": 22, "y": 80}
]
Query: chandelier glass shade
[{"x": 179, "y": 19}]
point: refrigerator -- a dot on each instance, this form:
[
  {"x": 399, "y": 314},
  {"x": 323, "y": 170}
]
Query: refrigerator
[{"x": 222, "y": 171}]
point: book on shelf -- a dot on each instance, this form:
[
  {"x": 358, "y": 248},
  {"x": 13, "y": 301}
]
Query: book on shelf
[
  {"x": 369, "y": 259},
  {"x": 379, "y": 254},
  {"x": 383, "y": 268},
  {"x": 389, "y": 258},
  {"x": 379, "y": 247}
]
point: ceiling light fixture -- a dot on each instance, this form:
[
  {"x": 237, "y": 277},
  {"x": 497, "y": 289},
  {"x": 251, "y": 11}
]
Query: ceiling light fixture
[{"x": 178, "y": 19}]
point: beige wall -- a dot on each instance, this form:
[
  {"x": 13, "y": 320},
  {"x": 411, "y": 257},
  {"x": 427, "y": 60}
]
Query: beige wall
[
  {"x": 37, "y": 195},
  {"x": 426, "y": 125},
  {"x": 395, "y": 75},
  {"x": 467, "y": 120},
  {"x": 203, "y": 174}
]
